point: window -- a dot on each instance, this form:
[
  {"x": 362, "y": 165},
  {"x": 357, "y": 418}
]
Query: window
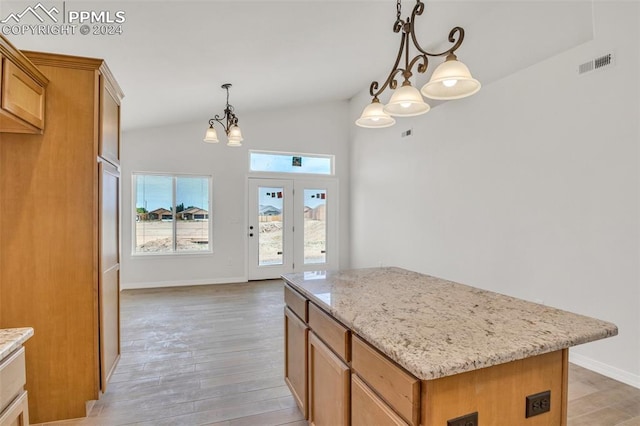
[
  {"x": 172, "y": 213},
  {"x": 286, "y": 162}
]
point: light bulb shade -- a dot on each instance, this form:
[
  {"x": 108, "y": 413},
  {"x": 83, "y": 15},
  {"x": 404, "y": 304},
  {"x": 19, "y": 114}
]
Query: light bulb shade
[
  {"x": 406, "y": 101},
  {"x": 235, "y": 136},
  {"x": 373, "y": 117},
  {"x": 451, "y": 80},
  {"x": 211, "y": 136}
]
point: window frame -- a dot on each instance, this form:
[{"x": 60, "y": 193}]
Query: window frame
[
  {"x": 174, "y": 252},
  {"x": 331, "y": 157}
]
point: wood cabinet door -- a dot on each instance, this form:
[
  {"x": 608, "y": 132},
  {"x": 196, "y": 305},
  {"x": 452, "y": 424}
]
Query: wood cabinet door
[
  {"x": 22, "y": 95},
  {"x": 109, "y": 282},
  {"x": 367, "y": 408},
  {"x": 329, "y": 386},
  {"x": 296, "y": 335},
  {"x": 109, "y": 124}
]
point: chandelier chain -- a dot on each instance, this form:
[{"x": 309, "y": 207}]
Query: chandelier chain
[{"x": 398, "y": 9}]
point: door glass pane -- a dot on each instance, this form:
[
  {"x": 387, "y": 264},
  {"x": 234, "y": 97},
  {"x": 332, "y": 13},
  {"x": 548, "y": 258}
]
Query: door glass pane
[
  {"x": 192, "y": 224},
  {"x": 154, "y": 214},
  {"x": 270, "y": 236},
  {"x": 315, "y": 226}
]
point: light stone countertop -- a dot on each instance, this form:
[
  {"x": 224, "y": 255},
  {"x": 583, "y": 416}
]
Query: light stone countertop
[
  {"x": 12, "y": 338},
  {"x": 436, "y": 328}
]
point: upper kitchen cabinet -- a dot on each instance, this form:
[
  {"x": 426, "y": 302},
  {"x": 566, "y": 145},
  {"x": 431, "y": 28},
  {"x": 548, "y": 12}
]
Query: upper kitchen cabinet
[
  {"x": 22, "y": 92},
  {"x": 60, "y": 237},
  {"x": 110, "y": 121}
]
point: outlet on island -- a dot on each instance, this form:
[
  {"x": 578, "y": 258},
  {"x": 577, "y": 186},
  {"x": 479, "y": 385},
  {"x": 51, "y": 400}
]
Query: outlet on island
[
  {"x": 466, "y": 420},
  {"x": 538, "y": 403}
]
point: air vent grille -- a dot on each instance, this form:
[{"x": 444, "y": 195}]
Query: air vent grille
[{"x": 596, "y": 64}]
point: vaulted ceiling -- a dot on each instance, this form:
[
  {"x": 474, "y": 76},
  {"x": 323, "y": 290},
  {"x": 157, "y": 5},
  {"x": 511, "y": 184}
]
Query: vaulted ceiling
[{"x": 172, "y": 56}]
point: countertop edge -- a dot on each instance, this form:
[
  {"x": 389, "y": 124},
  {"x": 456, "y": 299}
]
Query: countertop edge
[{"x": 12, "y": 338}]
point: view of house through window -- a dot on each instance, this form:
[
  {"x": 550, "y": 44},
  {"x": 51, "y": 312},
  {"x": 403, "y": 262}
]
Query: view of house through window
[{"x": 172, "y": 213}]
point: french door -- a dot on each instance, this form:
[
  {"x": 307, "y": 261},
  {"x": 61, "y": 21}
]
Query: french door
[{"x": 292, "y": 226}]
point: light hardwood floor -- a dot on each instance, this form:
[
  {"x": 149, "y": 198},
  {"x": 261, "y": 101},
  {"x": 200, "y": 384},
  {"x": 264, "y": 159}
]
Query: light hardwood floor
[{"x": 214, "y": 355}]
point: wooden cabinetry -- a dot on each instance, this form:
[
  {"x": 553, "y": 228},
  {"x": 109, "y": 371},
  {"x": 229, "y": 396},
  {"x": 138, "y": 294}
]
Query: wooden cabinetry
[
  {"x": 296, "y": 354},
  {"x": 316, "y": 369},
  {"x": 14, "y": 409},
  {"x": 296, "y": 335},
  {"x": 109, "y": 280},
  {"x": 367, "y": 408},
  {"x": 329, "y": 386},
  {"x": 398, "y": 388},
  {"x": 22, "y": 92},
  {"x": 59, "y": 237}
]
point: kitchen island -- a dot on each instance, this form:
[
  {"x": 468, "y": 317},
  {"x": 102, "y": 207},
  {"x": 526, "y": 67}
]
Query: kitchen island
[{"x": 391, "y": 346}]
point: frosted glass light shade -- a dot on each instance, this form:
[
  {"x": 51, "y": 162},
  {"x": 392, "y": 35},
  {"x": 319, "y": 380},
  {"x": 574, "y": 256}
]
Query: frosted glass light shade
[
  {"x": 451, "y": 80},
  {"x": 235, "y": 136},
  {"x": 373, "y": 116},
  {"x": 406, "y": 102},
  {"x": 211, "y": 136}
]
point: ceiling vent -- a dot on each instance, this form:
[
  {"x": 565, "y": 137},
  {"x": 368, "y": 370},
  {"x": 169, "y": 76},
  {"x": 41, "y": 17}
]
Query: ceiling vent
[{"x": 600, "y": 62}]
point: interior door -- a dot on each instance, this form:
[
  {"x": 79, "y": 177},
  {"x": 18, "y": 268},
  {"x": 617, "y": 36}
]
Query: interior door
[{"x": 292, "y": 226}]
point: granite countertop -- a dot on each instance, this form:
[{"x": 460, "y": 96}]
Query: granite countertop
[
  {"x": 12, "y": 338},
  {"x": 436, "y": 328}
]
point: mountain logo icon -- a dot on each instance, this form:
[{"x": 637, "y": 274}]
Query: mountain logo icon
[{"x": 39, "y": 11}]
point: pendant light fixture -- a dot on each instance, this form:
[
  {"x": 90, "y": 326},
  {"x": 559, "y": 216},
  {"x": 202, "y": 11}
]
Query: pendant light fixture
[
  {"x": 450, "y": 80},
  {"x": 229, "y": 123}
]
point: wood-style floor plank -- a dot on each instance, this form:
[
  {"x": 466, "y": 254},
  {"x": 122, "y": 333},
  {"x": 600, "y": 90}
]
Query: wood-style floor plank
[{"x": 213, "y": 355}]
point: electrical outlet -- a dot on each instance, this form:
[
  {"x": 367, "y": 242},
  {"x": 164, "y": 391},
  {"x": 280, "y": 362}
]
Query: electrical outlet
[
  {"x": 466, "y": 420},
  {"x": 538, "y": 403}
]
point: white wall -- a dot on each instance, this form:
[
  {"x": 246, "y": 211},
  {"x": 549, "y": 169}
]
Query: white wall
[
  {"x": 321, "y": 129},
  {"x": 529, "y": 188}
]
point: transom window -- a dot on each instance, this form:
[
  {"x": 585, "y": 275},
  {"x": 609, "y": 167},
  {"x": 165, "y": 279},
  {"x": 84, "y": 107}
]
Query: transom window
[
  {"x": 172, "y": 213},
  {"x": 288, "y": 162}
]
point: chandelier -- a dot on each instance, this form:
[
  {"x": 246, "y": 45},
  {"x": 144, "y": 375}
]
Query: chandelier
[
  {"x": 450, "y": 80},
  {"x": 229, "y": 123}
]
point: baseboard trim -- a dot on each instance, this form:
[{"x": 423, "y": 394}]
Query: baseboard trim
[
  {"x": 182, "y": 283},
  {"x": 605, "y": 369}
]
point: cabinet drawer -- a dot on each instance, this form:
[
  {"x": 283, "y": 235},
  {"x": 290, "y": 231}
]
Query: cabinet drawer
[
  {"x": 12, "y": 377},
  {"x": 333, "y": 333},
  {"x": 22, "y": 95},
  {"x": 17, "y": 414},
  {"x": 398, "y": 388},
  {"x": 368, "y": 409},
  {"x": 296, "y": 302}
]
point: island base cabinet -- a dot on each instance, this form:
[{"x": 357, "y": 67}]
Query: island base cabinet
[
  {"x": 329, "y": 386},
  {"x": 296, "y": 335},
  {"x": 498, "y": 393},
  {"x": 368, "y": 409}
]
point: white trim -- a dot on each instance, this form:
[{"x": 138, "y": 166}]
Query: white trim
[
  {"x": 605, "y": 369},
  {"x": 182, "y": 283}
]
